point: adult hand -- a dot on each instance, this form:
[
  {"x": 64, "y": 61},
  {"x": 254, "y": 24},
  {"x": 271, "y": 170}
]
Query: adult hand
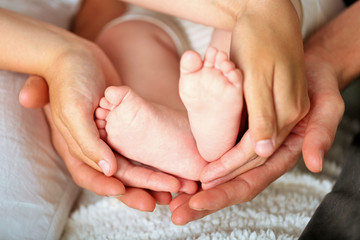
[
  {"x": 268, "y": 49},
  {"x": 275, "y": 87},
  {"x": 74, "y": 95},
  {"x": 139, "y": 178},
  {"x": 35, "y": 95},
  {"x": 77, "y": 73},
  {"x": 314, "y": 134},
  {"x": 332, "y": 63}
]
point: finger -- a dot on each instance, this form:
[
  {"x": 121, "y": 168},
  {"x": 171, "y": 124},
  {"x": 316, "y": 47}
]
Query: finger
[
  {"x": 326, "y": 113},
  {"x": 255, "y": 162},
  {"x": 182, "y": 213},
  {"x": 247, "y": 185},
  {"x": 138, "y": 199},
  {"x": 291, "y": 99},
  {"x": 242, "y": 153},
  {"x": 162, "y": 198},
  {"x": 142, "y": 177},
  {"x": 95, "y": 181},
  {"x": 188, "y": 186},
  {"x": 258, "y": 92},
  {"x": 84, "y": 175},
  {"x": 81, "y": 134},
  {"x": 179, "y": 200},
  {"x": 60, "y": 141},
  {"x": 35, "y": 92}
]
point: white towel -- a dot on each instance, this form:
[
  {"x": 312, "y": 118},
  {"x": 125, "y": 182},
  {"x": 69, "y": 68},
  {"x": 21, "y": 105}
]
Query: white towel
[{"x": 280, "y": 212}]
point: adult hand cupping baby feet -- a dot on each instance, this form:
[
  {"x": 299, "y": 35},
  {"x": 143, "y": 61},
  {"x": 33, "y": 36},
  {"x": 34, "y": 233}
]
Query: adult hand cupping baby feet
[
  {"x": 269, "y": 51},
  {"x": 275, "y": 87}
]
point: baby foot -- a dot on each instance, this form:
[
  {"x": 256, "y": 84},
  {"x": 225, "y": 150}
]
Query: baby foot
[
  {"x": 212, "y": 94},
  {"x": 148, "y": 133}
]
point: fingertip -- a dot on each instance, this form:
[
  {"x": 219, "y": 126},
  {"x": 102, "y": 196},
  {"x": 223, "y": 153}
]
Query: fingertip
[
  {"x": 115, "y": 190},
  {"x": 162, "y": 198},
  {"x": 23, "y": 98},
  {"x": 188, "y": 186},
  {"x": 178, "y": 220},
  {"x": 35, "y": 93},
  {"x": 108, "y": 167},
  {"x": 314, "y": 162},
  {"x": 204, "y": 201},
  {"x": 196, "y": 205},
  {"x": 314, "y": 149},
  {"x": 264, "y": 148},
  {"x": 138, "y": 199}
]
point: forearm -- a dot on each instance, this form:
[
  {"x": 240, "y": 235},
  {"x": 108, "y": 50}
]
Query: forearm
[
  {"x": 338, "y": 45},
  {"x": 279, "y": 20},
  {"x": 221, "y": 14},
  {"x": 216, "y": 13},
  {"x": 31, "y": 46}
]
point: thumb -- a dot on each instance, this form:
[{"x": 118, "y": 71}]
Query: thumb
[
  {"x": 35, "y": 92},
  {"x": 324, "y": 119}
]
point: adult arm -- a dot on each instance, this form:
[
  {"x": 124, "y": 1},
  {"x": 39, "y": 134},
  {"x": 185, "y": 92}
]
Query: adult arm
[{"x": 331, "y": 64}]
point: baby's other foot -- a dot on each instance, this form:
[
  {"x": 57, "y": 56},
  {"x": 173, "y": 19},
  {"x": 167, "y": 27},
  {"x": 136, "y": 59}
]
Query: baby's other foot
[
  {"x": 211, "y": 91},
  {"x": 151, "y": 134}
]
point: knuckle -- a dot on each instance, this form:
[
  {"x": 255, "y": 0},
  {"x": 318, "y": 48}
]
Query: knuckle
[
  {"x": 295, "y": 112},
  {"x": 74, "y": 152},
  {"x": 339, "y": 105},
  {"x": 262, "y": 123}
]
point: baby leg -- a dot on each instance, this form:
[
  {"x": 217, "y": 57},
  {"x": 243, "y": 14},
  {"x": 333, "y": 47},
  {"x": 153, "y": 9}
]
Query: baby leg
[{"x": 212, "y": 93}]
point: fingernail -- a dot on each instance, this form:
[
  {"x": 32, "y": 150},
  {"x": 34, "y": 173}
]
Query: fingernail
[
  {"x": 264, "y": 147},
  {"x": 105, "y": 167}
]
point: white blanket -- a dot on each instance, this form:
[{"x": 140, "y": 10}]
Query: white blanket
[{"x": 280, "y": 212}]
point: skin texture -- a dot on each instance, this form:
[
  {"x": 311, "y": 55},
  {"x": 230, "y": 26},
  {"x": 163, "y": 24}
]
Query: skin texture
[
  {"x": 239, "y": 17},
  {"x": 326, "y": 75},
  {"x": 269, "y": 119},
  {"x": 84, "y": 142},
  {"x": 228, "y": 15},
  {"x": 65, "y": 52}
]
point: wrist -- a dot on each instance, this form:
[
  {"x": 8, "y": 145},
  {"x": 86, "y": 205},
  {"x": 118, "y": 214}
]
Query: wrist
[
  {"x": 70, "y": 54},
  {"x": 317, "y": 58},
  {"x": 31, "y": 46},
  {"x": 278, "y": 12},
  {"x": 319, "y": 50}
]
